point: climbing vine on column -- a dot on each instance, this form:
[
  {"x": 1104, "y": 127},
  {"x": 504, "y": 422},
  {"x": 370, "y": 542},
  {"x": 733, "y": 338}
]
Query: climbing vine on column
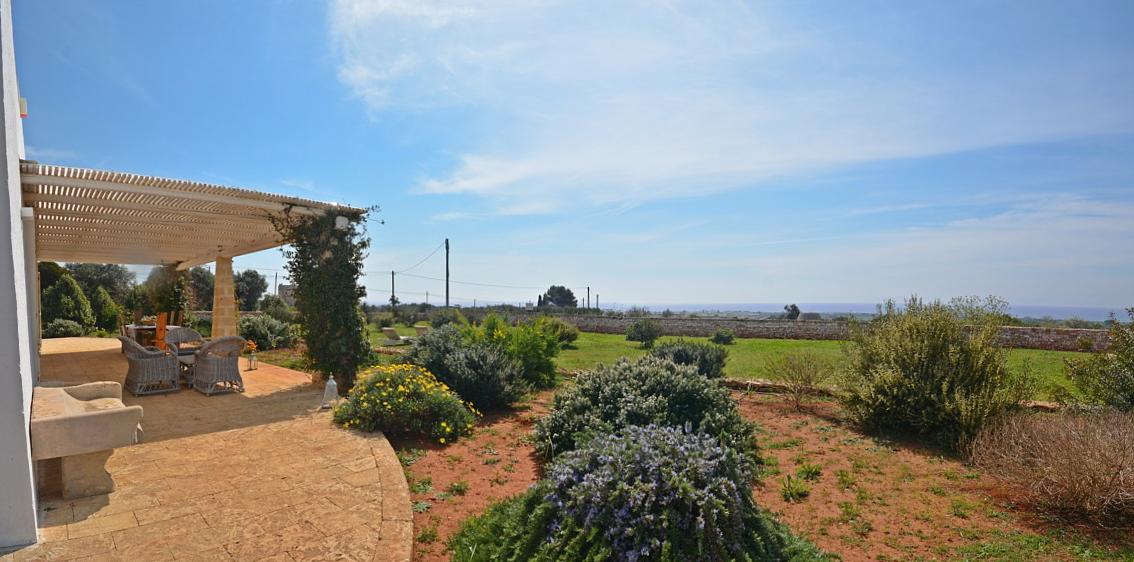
[{"x": 324, "y": 256}]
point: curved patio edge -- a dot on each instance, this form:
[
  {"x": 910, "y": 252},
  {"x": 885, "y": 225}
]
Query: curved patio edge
[{"x": 396, "y": 535}]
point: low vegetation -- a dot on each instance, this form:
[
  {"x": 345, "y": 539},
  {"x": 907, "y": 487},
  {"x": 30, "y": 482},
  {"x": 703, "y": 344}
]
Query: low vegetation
[
  {"x": 644, "y": 331},
  {"x": 933, "y": 370},
  {"x": 722, "y": 337},
  {"x": 709, "y": 359},
  {"x": 650, "y": 493},
  {"x": 533, "y": 345},
  {"x": 803, "y": 373},
  {"x": 1107, "y": 378},
  {"x": 405, "y": 399},
  {"x": 1075, "y": 464},
  {"x": 267, "y": 332},
  {"x": 479, "y": 372},
  {"x": 650, "y": 391}
]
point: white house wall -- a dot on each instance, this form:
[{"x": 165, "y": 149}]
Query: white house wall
[{"x": 17, "y": 486}]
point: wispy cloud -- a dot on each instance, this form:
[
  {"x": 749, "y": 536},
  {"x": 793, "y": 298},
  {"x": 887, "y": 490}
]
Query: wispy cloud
[
  {"x": 49, "y": 155},
  {"x": 684, "y": 99}
]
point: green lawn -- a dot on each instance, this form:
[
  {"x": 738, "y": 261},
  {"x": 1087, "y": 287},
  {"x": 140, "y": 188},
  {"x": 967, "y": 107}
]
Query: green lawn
[
  {"x": 747, "y": 358},
  {"x": 378, "y": 339}
]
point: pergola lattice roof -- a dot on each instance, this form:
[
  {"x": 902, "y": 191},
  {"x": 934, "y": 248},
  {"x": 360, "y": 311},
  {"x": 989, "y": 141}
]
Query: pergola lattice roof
[{"x": 85, "y": 215}]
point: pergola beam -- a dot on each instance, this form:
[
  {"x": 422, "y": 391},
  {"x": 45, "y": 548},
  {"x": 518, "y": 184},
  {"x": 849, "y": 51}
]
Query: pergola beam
[{"x": 85, "y": 215}]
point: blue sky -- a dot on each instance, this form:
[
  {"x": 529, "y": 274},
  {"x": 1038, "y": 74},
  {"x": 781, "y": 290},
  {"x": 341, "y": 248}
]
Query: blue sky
[{"x": 659, "y": 152}]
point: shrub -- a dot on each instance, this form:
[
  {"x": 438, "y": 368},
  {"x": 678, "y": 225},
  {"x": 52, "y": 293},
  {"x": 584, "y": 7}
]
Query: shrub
[
  {"x": 802, "y": 372},
  {"x": 267, "y": 332},
  {"x": 65, "y": 301},
  {"x": 651, "y": 391},
  {"x": 533, "y": 348},
  {"x": 536, "y": 351},
  {"x": 722, "y": 337},
  {"x": 649, "y": 493},
  {"x": 1073, "y": 464},
  {"x": 1107, "y": 377},
  {"x": 447, "y": 316},
  {"x": 485, "y": 376},
  {"x": 60, "y": 328},
  {"x": 479, "y": 372},
  {"x": 277, "y": 308},
  {"x": 935, "y": 370},
  {"x": 405, "y": 399},
  {"x": 106, "y": 312},
  {"x": 707, "y": 358},
  {"x": 644, "y": 331},
  {"x": 564, "y": 332}
]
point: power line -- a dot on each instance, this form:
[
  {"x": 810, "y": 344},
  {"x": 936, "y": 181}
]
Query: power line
[
  {"x": 478, "y": 284},
  {"x": 435, "y": 250}
]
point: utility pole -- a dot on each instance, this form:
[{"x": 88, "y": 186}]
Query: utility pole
[
  {"x": 276, "y": 283},
  {"x": 393, "y": 297},
  {"x": 588, "y": 297},
  {"x": 447, "y": 273},
  {"x": 596, "y": 302},
  {"x": 427, "y": 297}
]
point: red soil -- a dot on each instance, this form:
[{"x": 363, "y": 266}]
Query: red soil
[{"x": 895, "y": 501}]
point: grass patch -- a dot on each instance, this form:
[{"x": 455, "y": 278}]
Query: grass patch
[{"x": 750, "y": 358}]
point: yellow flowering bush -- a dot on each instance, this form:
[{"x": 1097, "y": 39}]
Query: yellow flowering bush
[{"x": 405, "y": 399}]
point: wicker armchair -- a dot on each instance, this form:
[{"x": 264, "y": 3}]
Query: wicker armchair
[
  {"x": 217, "y": 368},
  {"x": 177, "y": 338},
  {"x": 151, "y": 370}
]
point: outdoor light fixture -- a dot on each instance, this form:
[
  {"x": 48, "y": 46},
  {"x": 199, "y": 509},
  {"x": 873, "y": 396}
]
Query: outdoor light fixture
[{"x": 330, "y": 393}]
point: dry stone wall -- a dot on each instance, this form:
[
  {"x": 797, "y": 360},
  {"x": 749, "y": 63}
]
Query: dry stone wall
[{"x": 1059, "y": 339}]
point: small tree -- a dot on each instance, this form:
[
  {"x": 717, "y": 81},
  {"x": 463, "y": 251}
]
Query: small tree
[
  {"x": 49, "y": 274},
  {"x": 201, "y": 283},
  {"x": 324, "y": 260},
  {"x": 1107, "y": 377},
  {"x": 167, "y": 289},
  {"x": 65, "y": 301},
  {"x": 116, "y": 279},
  {"x": 106, "y": 311},
  {"x": 275, "y": 307},
  {"x": 645, "y": 331},
  {"x": 560, "y": 296},
  {"x": 791, "y": 312},
  {"x": 250, "y": 286}
]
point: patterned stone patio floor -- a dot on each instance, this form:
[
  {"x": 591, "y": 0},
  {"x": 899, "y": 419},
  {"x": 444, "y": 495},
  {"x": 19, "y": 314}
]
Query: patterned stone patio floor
[{"x": 260, "y": 475}]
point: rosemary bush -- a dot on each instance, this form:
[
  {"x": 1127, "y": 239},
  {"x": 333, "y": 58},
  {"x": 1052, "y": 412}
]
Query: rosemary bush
[
  {"x": 648, "y": 493},
  {"x": 650, "y": 391}
]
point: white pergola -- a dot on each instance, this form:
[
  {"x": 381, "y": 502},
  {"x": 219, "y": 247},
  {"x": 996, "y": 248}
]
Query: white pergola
[{"x": 92, "y": 216}]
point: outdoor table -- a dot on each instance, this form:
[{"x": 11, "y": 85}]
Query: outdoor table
[{"x": 136, "y": 331}]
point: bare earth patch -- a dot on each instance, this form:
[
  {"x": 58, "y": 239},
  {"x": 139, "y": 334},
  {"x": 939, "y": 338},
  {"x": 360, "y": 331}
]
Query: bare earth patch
[
  {"x": 872, "y": 499},
  {"x": 879, "y": 500},
  {"x": 449, "y": 484}
]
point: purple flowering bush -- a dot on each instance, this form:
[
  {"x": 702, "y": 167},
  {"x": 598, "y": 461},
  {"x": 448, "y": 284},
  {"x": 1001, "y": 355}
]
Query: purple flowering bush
[
  {"x": 650, "y": 391},
  {"x": 646, "y": 493}
]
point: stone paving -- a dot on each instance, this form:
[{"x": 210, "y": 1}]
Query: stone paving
[{"x": 261, "y": 475}]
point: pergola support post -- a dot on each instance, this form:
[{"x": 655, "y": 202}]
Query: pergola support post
[{"x": 224, "y": 299}]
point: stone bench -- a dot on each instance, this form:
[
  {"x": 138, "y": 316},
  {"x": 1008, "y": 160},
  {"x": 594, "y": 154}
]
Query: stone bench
[{"x": 81, "y": 425}]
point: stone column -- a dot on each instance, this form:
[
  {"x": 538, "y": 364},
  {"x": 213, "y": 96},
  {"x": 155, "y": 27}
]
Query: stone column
[{"x": 224, "y": 300}]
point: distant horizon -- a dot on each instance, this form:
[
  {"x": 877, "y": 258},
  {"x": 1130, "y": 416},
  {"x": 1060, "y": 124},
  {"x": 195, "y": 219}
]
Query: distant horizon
[{"x": 1058, "y": 312}]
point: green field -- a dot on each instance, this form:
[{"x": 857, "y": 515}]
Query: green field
[{"x": 747, "y": 358}]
